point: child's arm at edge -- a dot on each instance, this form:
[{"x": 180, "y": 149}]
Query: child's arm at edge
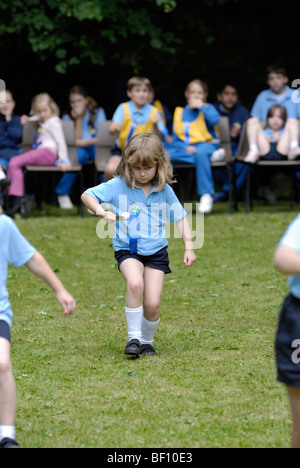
[
  {"x": 39, "y": 266},
  {"x": 186, "y": 234},
  {"x": 287, "y": 260}
]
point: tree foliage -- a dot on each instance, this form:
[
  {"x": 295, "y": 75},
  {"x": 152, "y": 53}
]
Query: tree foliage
[{"x": 102, "y": 30}]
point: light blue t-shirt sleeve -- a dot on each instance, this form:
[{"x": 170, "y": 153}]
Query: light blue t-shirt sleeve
[
  {"x": 19, "y": 250},
  {"x": 104, "y": 193},
  {"x": 175, "y": 211},
  {"x": 257, "y": 110},
  {"x": 291, "y": 238},
  {"x": 119, "y": 114}
]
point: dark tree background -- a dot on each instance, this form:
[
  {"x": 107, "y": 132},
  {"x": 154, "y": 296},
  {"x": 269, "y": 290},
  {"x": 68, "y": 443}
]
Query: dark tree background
[{"x": 51, "y": 45}]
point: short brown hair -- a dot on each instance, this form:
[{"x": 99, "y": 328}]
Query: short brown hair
[
  {"x": 146, "y": 149},
  {"x": 283, "y": 113},
  {"x": 278, "y": 69},
  {"x": 138, "y": 81}
]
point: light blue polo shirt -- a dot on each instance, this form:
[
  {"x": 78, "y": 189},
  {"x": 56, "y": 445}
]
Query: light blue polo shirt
[
  {"x": 267, "y": 98},
  {"x": 89, "y": 131},
  {"x": 154, "y": 212},
  {"x": 14, "y": 249},
  {"x": 139, "y": 116},
  {"x": 268, "y": 133},
  {"x": 291, "y": 239}
]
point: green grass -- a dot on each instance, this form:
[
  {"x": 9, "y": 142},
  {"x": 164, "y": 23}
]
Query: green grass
[{"x": 213, "y": 383}]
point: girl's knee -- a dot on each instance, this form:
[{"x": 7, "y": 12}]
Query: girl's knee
[
  {"x": 135, "y": 286},
  {"x": 5, "y": 371},
  {"x": 152, "y": 308}
]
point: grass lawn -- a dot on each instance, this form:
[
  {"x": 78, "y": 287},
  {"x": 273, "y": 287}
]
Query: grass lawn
[{"x": 213, "y": 383}]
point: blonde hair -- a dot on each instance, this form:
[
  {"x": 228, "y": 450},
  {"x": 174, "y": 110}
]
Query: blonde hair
[
  {"x": 146, "y": 149},
  {"x": 41, "y": 99}
]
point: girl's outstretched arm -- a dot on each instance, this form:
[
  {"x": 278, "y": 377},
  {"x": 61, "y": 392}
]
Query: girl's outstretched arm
[
  {"x": 39, "y": 266},
  {"x": 92, "y": 204},
  {"x": 186, "y": 234}
]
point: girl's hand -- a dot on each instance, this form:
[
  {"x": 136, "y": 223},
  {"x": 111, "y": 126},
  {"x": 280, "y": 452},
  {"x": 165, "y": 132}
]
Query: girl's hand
[
  {"x": 195, "y": 102},
  {"x": 156, "y": 118},
  {"x": 64, "y": 166},
  {"x": 67, "y": 302},
  {"x": 24, "y": 119},
  {"x": 169, "y": 139},
  {"x": 189, "y": 258},
  {"x": 190, "y": 149},
  {"x": 109, "y": 217}
]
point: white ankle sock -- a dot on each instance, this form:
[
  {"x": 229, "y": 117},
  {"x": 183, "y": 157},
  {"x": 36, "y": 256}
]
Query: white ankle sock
[
  {"x": 7, "y": 432},
  {"x": 253, "y": 147},
  {"x": 134, "y": 322},
  {"x": 293, "y": 144},
  {"x": 148, "y": 330}
]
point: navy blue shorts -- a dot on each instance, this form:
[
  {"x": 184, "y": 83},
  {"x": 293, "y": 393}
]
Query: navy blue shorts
[
  {"x": 5, "y": 330},
  {"x": 287, "y": 345},
  {"x": 273, "y": 155},
  {"x": 159, "y": 260}
]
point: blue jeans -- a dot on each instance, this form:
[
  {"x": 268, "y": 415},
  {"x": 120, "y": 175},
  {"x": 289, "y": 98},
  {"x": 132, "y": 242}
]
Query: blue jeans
[
  {"x": 84, "y": 155},
  {"x": 201, "y": 159}
]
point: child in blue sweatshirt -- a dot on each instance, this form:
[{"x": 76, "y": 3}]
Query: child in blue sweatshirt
[
  {"x": 228, "y": 105},
  {"x": 10, "y": 135}
]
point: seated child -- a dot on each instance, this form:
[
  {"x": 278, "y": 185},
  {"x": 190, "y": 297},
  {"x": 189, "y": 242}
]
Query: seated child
[
  {"x": 228, "y": 105},
  {"x": 274, "y": 141},
  {"x": 133, "y": 117},
  {"x": 10, "y": 135},
  {"x": 195, "y": 139},
  {"x": 49, "y": 147},
  {"x": 278, "y": 93},
  {"x": 86, "y": 115}
]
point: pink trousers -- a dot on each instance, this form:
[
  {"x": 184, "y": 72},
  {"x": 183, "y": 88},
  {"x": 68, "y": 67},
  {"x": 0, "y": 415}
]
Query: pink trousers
[{"x": 36, "y": 157}]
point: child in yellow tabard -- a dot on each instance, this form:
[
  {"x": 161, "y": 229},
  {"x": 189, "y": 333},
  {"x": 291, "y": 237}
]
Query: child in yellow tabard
[
  {"x": 133, "y": 117},
  {"x": 195, "y": 139}
]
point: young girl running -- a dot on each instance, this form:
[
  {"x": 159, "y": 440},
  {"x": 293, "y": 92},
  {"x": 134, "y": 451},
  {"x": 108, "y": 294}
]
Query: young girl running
[
  {"x": 49, "y": 147},
  {"x": 142, "y": 189}
]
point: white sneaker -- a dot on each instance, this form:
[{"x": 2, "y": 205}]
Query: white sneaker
[
  {"x": 252, "y": 157},
  {"x": 218, "y": 155},
  {"x": 64, "y": 202},
  {"x": 294, "y": 153},
  {"x": 206, "y": 204}
]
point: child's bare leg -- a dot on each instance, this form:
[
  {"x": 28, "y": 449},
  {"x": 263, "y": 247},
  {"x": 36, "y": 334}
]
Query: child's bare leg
[
  {"x": 256, "y": 136},
  {"x": 154, "y": 282},
  {"x": 133, "y": 272},
  {"x": 290, "y": 134},
  {"x": 258, "y": 143},
  {"x": 7, "y": 386},
  {"x": 294, "y": 397}
]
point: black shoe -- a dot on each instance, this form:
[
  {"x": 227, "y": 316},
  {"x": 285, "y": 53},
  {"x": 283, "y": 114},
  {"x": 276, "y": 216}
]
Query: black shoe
[
  {"x": 148, "y": 349},
  {"x": 9, "y": 443},
  {"x": 4, "y": 183},
  {"x": 133, "y": 348}
]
